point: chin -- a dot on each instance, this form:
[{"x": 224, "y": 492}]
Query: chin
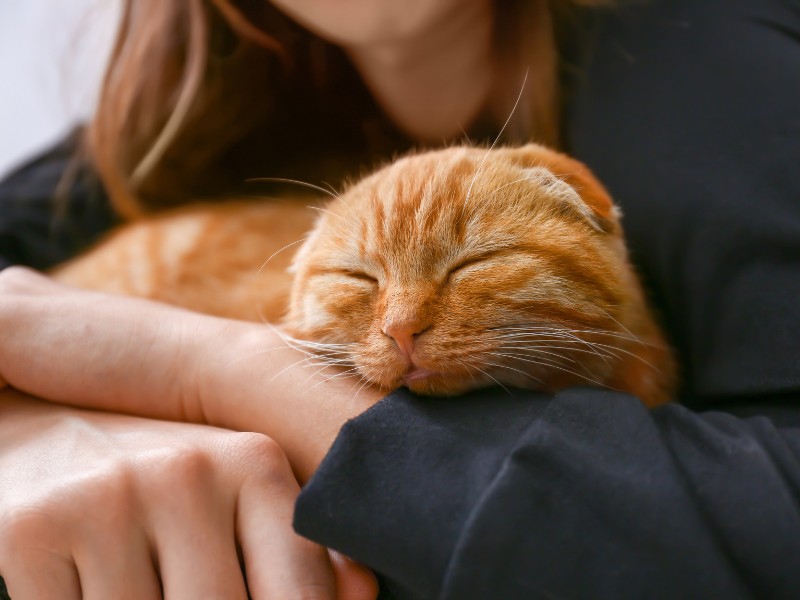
[{"x": 443, "y": 385}]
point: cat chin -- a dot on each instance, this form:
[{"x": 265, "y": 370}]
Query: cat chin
[{"x": 439, "y": 384}]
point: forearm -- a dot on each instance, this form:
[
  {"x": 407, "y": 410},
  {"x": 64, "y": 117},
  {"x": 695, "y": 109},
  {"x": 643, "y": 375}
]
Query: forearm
[
  {"x": 75, "y": 347},
  {"x": 258, "y": 383},
  {"x": 147, "y": 359}
]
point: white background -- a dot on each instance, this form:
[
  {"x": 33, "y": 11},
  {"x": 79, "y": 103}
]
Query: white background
[{"x": 52, "y": 57}]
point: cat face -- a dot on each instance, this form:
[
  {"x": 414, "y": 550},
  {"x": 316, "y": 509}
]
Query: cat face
[{"x": 464, "y": 268}]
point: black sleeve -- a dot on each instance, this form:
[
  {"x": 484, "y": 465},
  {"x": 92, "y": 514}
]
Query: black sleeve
[
  {"x": 585, "y": 495},
  {"x": 689, "y": 110},
  {"x": 51, "y": 208}
]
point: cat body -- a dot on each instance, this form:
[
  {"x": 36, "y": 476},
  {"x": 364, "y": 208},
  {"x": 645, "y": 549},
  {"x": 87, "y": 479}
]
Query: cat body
[
  {"x": 210, "y": 258},
  {"x": 444, "y": 271}
]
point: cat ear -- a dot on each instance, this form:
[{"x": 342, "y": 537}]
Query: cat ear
[
  {"x": 568, "y": 199},
  {"x": 572, "y": 181}
]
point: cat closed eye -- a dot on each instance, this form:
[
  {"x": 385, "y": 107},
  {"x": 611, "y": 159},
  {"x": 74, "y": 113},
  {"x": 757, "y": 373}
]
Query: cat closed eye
[
  {"x": 357, "y": 275},
  {"x": 465, "y": 264}
]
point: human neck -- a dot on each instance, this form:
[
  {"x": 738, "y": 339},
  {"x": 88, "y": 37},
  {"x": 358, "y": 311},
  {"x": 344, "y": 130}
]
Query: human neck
[{"x": 433, "y": 85}]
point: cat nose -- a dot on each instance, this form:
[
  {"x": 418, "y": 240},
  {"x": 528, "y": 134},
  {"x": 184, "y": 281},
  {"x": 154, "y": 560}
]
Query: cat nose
[{"x": 404, "y": 333}]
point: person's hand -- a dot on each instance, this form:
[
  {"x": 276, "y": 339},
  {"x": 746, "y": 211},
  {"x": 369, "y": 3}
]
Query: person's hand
[
  {"x": 99, "y": 506},
  {"x": 129, "y": 355}
]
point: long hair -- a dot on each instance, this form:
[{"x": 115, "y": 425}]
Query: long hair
[{"x": 191, "y": 81}]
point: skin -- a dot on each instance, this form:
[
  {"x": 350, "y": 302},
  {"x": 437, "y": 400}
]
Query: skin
[
  {"x": 429, "y": 63},
  {"x": 92, "y": 533},
  {"x": 178, "y": 492},
  {"x": 147, "y": 359}
]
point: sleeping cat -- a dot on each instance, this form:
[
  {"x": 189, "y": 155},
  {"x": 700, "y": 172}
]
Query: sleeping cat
[{"x": 444, "y": 271}]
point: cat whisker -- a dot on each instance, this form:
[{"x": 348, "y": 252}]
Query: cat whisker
[
  {"x": 341, "y": 375},
  {"x": 332, "y": 360},
  {"x": 316, "y": 344},
  {"x": 332, "y": 353},
  {"x": 502, "y": 366},
  {"x": 570, "y": 338},
  {"x": 614, "y": 334},
  {"x": 364, "y": 377},
  {"x": 251, "y": 355},
  {"x": 620, "y": 325},
  {"x": 525, "y": 345},
  {"x": 321, "y": 365},
  {"x": 320, "y": 349},
  {"x": 492, "y": 378},
  {"x": 364, "y": 384},
  {"x": 319, "y": 355},
  {"x": 322, "y": 345},
  {"x": 558, "y": 359},
  {"x": 467, "y": 367},
  {"x": 551, "y": 365},
  {"x": 286, "y": 247},
  {"x": 535, "y": 360},
  {"x": 614, "y": 350},
  {"x": 555, "y": 330},
  {"x": 496, "y": 139},
  {"x": 317, "y": 358},
  {"x": 331, "y": 188},
  {"x": 549, "y": 349},
  {"x": 305, "y": 184},
  {"x": 327, "y": 212},
  {"x": 554, "y": 341},
  {"x": 291, "y": 366},
  {"x": 278, "y": 251},
  {"x": 597, "y": 348}
]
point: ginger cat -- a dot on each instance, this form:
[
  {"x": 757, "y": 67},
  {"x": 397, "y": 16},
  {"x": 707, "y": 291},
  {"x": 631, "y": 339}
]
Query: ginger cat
[{"x": 444, "y": 271}]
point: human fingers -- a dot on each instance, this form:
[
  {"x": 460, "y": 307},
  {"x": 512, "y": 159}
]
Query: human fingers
[
  {"x": 33, "y": 570},
  {"x": 44, "y": 580},
  {"x": 193, "y": 531},
  {"x": 353, "y": 581},
  {"x": 118, "y": 566},
  {"x": 279, "y": 563}
]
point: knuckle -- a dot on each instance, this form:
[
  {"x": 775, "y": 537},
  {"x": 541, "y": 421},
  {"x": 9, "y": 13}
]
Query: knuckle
[
  {"x": 182, "y": 467},
  {"x": 23, "y": 522},
  {"x": 22, "y": 525},
  {"x": 254, "y": 448},
  {"x": 107, "y": 493},
  {"x": 259, "y": 458},
  {"x": 111, "y": 497}
]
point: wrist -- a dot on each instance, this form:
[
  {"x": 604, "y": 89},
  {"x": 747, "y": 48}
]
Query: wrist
[{"x": 252, "y": 380}]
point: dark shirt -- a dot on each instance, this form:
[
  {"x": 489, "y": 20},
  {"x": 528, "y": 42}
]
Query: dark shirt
[
  {"x": 689, "y": 111},
  {"x": 51, "y": 208}
]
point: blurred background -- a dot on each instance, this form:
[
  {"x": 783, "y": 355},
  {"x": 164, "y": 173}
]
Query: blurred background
[{"x": 52, "y": 57}]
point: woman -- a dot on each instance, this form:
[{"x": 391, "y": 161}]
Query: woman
[{"x": 687, "y": 110}]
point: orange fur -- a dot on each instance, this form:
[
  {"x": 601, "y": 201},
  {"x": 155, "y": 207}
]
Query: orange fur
[
  {"x": 444, "y": 271},
  {"x": 211, "y": 258}
]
